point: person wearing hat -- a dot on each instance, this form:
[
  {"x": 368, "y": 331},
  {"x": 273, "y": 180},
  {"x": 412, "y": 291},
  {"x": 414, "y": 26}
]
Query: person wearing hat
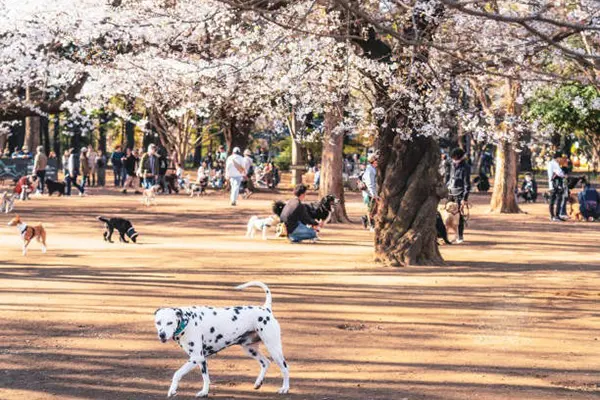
[
  {"x": 247, "y": 183},
  {"x": 235, "y": 172},
  {"x": 84, "y": 162},
  {"x": 369, "y": 191},
  {"x": 39, "y": 168},
  {"x": 73, "y": 172},
  {"x": 557, "y": 187}
]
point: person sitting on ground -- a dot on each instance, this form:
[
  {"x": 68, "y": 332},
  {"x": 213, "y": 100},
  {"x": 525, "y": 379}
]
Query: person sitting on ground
[
  {"x": 296, "y": 218},
  {"x": 529, "y": 191},
  {"x": 589, "y": 203},
  {"x": 26, "y": 185}
]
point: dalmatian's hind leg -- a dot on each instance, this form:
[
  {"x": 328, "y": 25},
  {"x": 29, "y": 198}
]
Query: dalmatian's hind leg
[
  {"x": 253, "y": 351},
  {"x": 270, "y": 334}
]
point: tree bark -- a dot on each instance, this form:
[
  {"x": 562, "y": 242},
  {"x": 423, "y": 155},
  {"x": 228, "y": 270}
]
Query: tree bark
[
  {"x": 332, "y": 181},
  {"x": 102, "y": 121},
  {"x": 32, "y": 126},
  {"x": 45, "y": 133},
  {"x": 297, "y": 167},
  {"x": 410, "y": 190},
  {"x": 505, "y": 180},
  {"x": 130, "y": 134},
  {"x": 237, "y": 133},
  {"x": 56, "y": 136}
]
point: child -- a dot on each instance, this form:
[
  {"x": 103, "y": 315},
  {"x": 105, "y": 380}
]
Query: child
[
  {"x": 529, "y": 189},
  {"x": 180, "y": 179}
]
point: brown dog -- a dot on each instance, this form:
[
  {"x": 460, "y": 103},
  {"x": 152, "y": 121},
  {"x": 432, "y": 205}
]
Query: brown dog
[
  {"x": 28, "y": 233},
  {"x": 574, "y": 210},
  {"x": 451, "y": 217}
]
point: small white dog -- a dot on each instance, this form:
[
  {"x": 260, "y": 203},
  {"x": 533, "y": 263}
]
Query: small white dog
[
  {"x": 203, "y": 331},
  {"x": 259, "y": 224},
  {"x": 7, "y": 202},
  {"x": 149, "y": 195}
]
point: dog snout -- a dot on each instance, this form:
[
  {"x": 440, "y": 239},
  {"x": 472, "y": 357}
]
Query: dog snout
[{"x": 162, "y": 336}]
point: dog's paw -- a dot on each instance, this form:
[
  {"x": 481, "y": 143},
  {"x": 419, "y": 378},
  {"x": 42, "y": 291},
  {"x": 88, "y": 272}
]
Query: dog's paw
[
  {"x": 283, "y": 390},
  {"x": 172, "y": 393},
  {"x": 202, "y": 393}
]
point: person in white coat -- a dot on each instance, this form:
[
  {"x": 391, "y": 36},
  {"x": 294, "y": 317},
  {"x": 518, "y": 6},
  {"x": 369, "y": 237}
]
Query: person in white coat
[{"x": 235, "y": 172}]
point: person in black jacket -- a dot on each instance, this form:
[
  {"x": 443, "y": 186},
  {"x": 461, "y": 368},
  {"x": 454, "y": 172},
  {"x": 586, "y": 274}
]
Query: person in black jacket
[
  {"x": 459, "y": 185},
  {"x": 296, "y": 218}
]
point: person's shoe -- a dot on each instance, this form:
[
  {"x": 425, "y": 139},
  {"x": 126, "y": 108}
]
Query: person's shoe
[
  {"x": 555, "y": 219},
  {"x": 233, "y": 204},
  {"x": 372, "y": 229},
  {"x": 459, "y": 240},
  {"x": 124, "y": 191},
  {"x": 365, "y": 221},
  {"x": 563, "y": 217},
  {"x": 137, "y": 192},
  {"x": 591, "y": 219}
]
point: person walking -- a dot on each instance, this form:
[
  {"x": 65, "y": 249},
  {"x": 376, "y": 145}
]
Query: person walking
[
  {"x": 148, "y": 167},
  {"x": 100, "y": 169},
  {"x": 85, "y": 167},
  {"x": 247, "y": 182},
  {"x": 369, "y": 192},
  {"x": 296, "y": 218},
  {"x": 130, "y": 165},
  {"x": 91, "y": 154},
  {"x": 557, "y": 188},
  {"x": 117, "y": 165},
  {"x": 73, "y": 172},
  {"x": 459, "y": 186},
  {"x": 39, "y": 168},
  {"x": 235, "y": 172}
]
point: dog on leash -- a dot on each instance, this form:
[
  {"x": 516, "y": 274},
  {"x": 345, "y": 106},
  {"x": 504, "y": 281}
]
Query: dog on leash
[
  {"x": 58, "y": 187},
  {"x": 451, "y": 217},
  {"x": 123, "y": 226},
  {"x": 7, "y": 202},
  {"x": 259, "y": 224},
  {"x": 203, "y": 331},
  {"x": 442, "y": 233},
  {"x": 149, "y": 195},
  {"x": 28, "y": 233}
]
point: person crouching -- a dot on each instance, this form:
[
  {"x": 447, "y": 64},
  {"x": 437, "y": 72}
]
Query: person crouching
[{"x": 296, "y": 218}]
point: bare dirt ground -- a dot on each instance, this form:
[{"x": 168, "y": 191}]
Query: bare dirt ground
[{"x": 514, "y": 314}]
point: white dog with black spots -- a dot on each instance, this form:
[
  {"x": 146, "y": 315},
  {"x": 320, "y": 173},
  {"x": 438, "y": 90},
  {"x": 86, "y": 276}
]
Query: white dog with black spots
[{"x": 203, "y": 331}]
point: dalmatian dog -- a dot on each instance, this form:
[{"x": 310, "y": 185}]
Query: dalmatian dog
[{"x": 203, "y": 331}]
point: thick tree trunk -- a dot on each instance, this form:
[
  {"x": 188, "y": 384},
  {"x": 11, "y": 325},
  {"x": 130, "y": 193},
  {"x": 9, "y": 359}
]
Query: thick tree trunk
[
  {"x": 102, "y": 121},
  {"x": 32, "y": 126},
  {"x": 56, "y": 136},
  {"x": 3, "y": 142},
  {"x": 237, "y": 134},
  {"x": 45, "y": 132},
  {"x": 410, "y": 190},
  {"x": 130, "y": 134},
  {"x": 332, "y": 162},
  {"x": 505, "y": 180}
]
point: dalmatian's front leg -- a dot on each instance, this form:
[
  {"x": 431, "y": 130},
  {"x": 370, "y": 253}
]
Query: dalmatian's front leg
[
  {"x": 181, "y": 372},
  {"x": 205, "y": 378}
]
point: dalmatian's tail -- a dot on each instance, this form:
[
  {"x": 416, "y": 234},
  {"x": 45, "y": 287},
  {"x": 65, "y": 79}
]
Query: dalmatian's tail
[{"x": 261, "y": 285}]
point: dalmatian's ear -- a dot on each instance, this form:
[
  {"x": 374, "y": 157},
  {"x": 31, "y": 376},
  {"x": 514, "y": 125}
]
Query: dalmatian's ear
[
  {"x": 157, "y": 310},
  {"x": 179, "y": 313}
]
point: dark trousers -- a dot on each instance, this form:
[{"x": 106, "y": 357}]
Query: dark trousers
[
  {"x": 41, "y": 179},
  {"x": 101, "y": 176},
  {"x": 118, "y": 172},
  {"x": 72, "y": 181},
  {"x": 556, "y": 202}
]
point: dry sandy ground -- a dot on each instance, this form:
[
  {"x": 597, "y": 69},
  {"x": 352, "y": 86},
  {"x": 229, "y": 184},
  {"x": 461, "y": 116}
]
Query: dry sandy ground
[{"x": 514, "y": 314}]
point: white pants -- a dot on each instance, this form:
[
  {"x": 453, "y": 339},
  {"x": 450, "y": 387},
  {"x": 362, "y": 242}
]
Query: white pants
[{"x": 235, "y": 183}]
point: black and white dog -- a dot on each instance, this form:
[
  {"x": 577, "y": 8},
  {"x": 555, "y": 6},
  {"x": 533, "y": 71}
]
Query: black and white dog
[
  {"x": 123, "y": 226},
  {"x": 320, "y": 210},
  {"x": 53, "y": 186},
  {"x": 203, "y": 331}
]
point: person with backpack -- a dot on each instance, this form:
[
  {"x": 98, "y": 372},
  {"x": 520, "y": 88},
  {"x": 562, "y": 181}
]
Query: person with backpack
[
  {"x": 459, "y": 186},
  {"x": 367, "y": 183},
  {"x": 557, "y": 187},
  {"x": 589, "y": 203},
  {"x": 73, "y": 172}
]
